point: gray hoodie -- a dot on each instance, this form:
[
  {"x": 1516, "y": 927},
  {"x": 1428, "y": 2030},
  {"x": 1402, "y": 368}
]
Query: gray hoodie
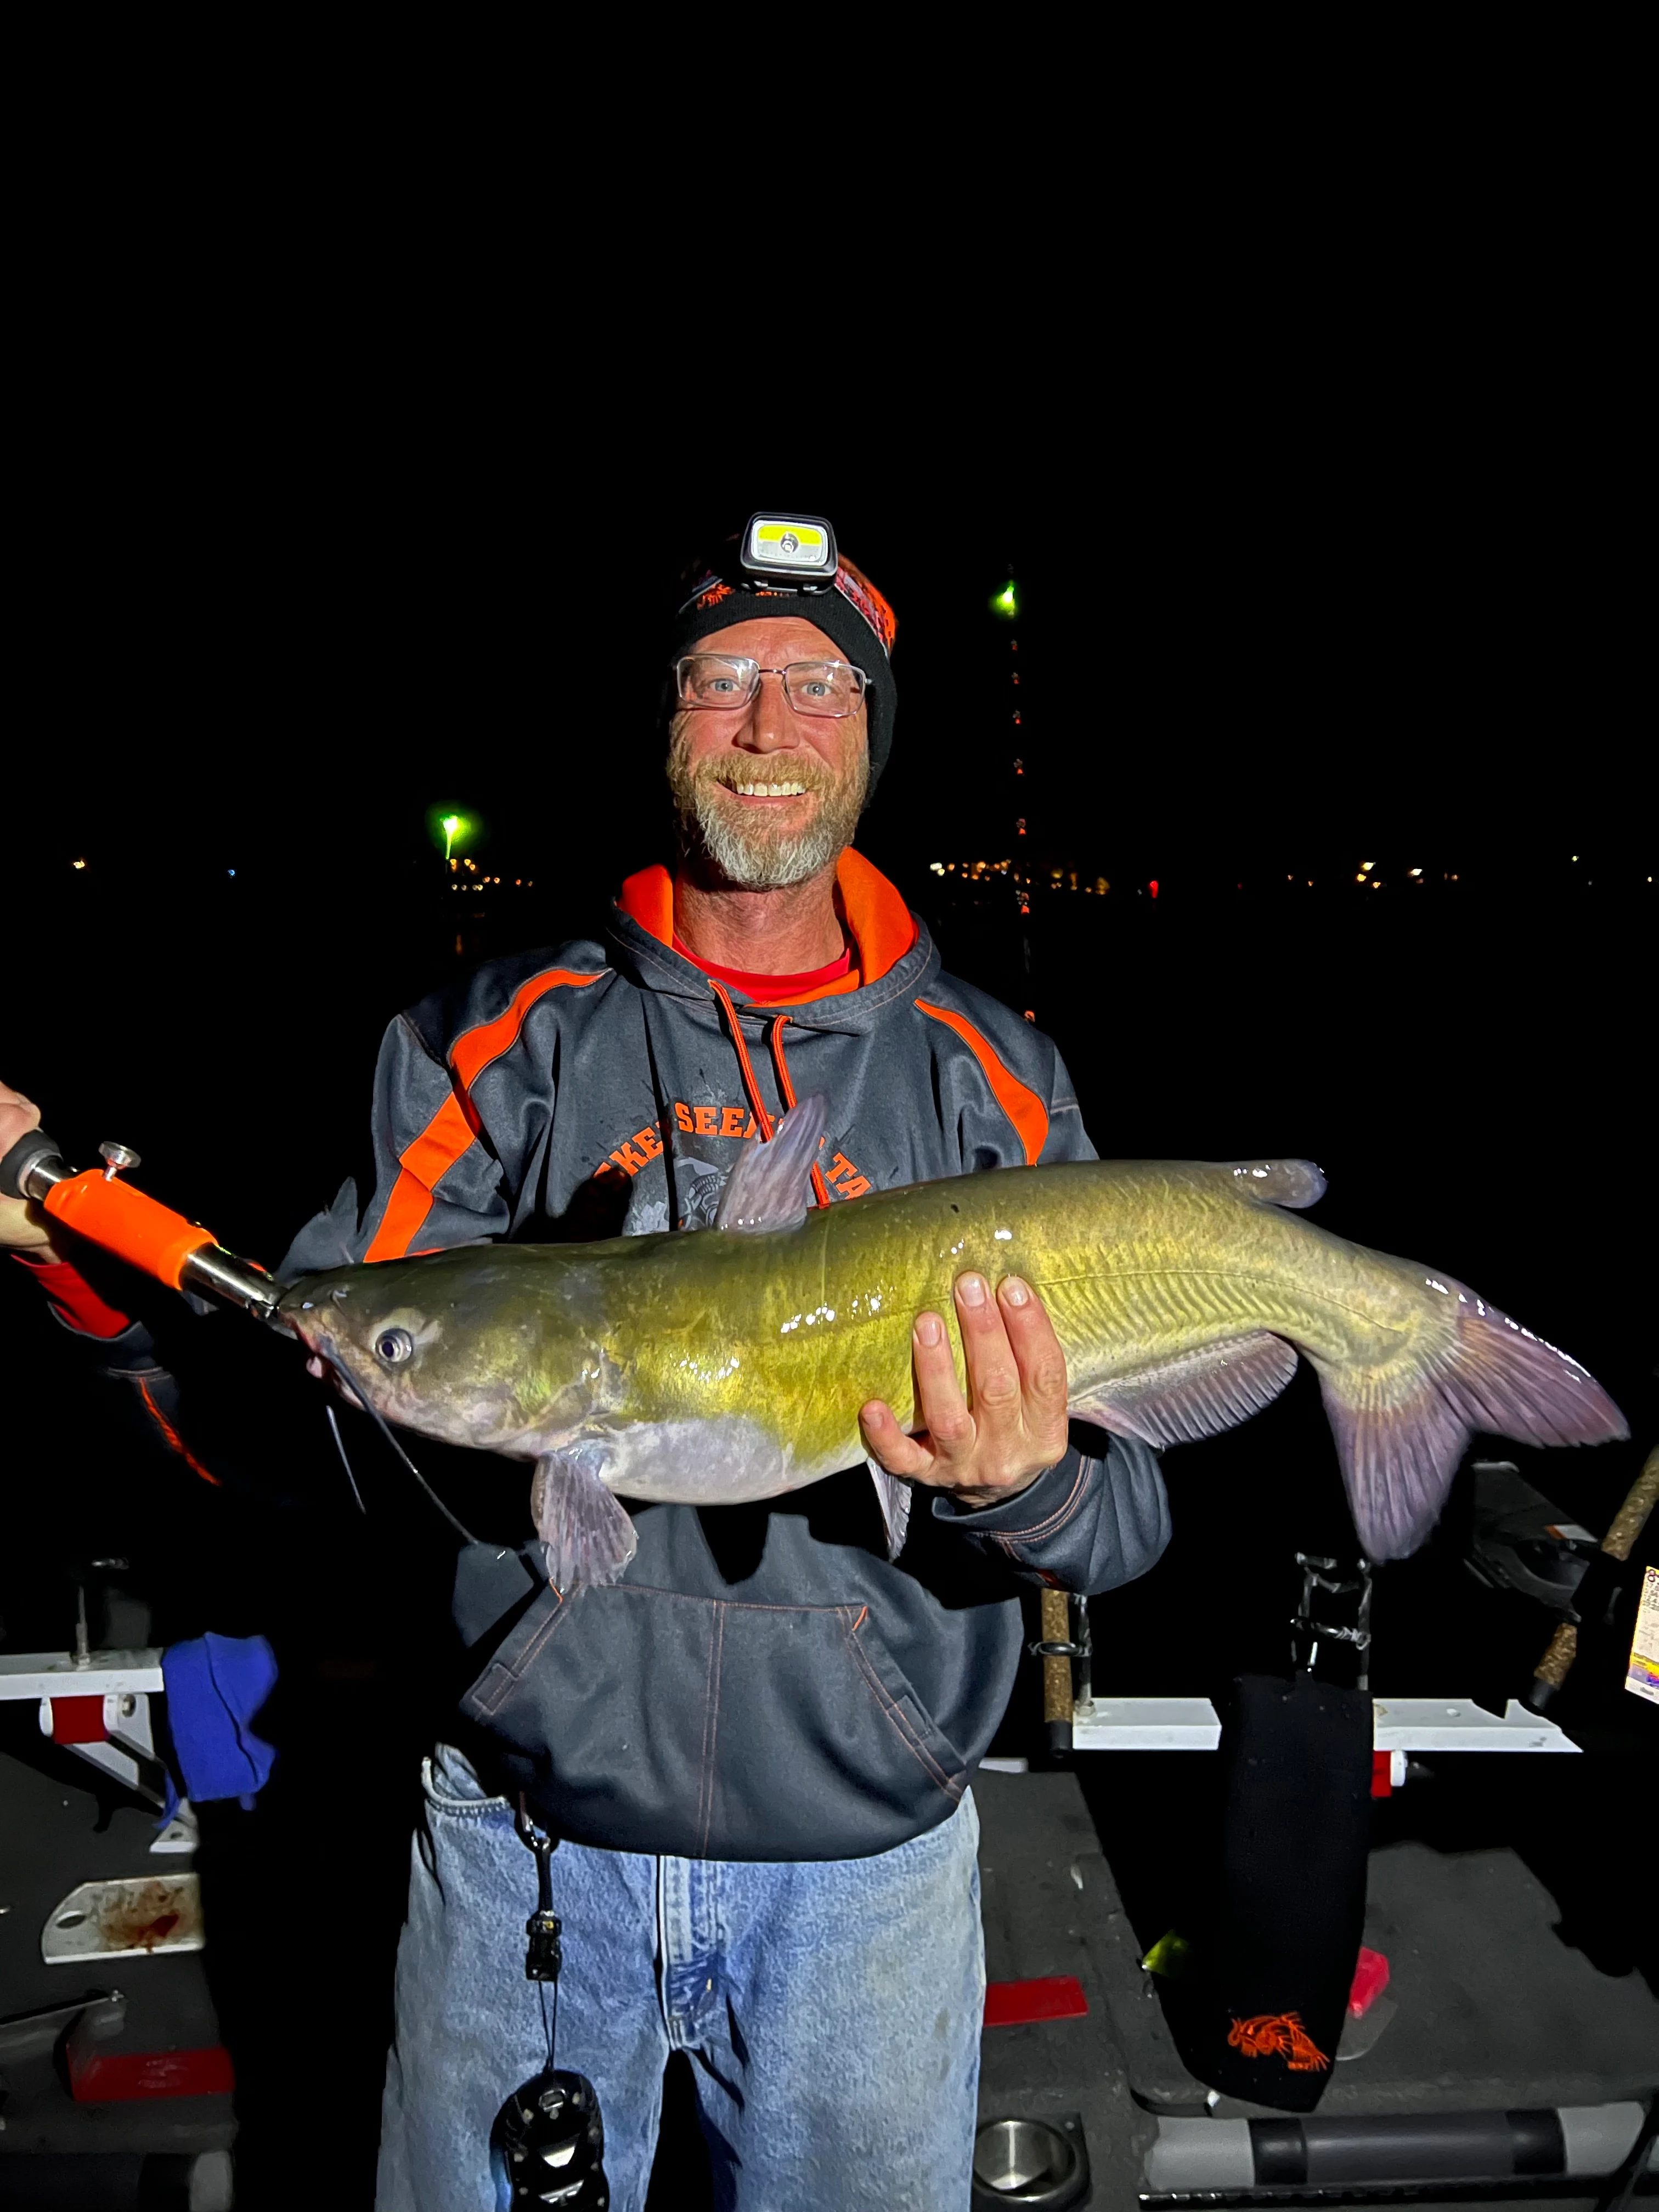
[{"x": 763, "y": 1683}]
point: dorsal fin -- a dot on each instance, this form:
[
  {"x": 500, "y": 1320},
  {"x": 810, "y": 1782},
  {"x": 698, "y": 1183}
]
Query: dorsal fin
[
  {"x": 1277, "y": 1182},
  {"x": 771, "y": 1186}
]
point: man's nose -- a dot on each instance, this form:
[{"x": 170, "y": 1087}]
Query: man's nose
[{"x": 772, "y": 725}]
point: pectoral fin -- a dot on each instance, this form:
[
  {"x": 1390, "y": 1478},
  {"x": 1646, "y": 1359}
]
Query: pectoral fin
[
  {"x": 771, "y": 1186},
  {"x": 1196, "y": 1394},
  {"x": 589, "y": 1536},
  {"x": 894, "y": 1498}
]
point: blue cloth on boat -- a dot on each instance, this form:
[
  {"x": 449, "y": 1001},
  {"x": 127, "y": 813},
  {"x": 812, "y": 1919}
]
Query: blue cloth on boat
[{"x": 215, "y": 1687}]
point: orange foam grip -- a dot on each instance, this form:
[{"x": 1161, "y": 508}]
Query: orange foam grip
[{"x": 124, "y": 1221}]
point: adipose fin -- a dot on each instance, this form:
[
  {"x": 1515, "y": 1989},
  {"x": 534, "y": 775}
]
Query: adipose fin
[{"x": 1295, "y": 1183}]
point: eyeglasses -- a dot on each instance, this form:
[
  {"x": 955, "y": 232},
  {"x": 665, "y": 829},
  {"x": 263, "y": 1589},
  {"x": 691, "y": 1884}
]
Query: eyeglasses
[{"x": 812, "y": 687}]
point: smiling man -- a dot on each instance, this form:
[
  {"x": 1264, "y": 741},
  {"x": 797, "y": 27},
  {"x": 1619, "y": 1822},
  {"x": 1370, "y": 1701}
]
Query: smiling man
[
  {"x": 755, "y": 1748},
  {"x": 768, "y": 767}
]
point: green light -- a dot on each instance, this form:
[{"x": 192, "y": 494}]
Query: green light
[
  {"x": 1004, "y": 603},
  {"x": 451, "y": 825}
]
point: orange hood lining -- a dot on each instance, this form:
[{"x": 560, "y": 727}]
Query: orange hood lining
[{"x": 882, "y": 927}]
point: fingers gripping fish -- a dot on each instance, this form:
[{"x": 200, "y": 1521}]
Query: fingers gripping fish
[{"x": 730, "y": 1365}]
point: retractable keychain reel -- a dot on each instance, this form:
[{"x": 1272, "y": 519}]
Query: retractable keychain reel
[{"x": 547, "y": 2147}]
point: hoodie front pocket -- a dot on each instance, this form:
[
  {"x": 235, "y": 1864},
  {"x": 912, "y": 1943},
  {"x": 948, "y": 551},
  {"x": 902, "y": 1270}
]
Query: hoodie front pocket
[
  {"x": 903, "y": 1711},
  {"x": 712, "y": 1729}
]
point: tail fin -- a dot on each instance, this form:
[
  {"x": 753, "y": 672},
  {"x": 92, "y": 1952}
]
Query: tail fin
[{"x": 1400, "y": 1452}]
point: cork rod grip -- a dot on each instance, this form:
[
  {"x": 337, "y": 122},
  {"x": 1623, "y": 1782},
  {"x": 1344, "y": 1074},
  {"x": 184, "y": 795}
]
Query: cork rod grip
[
  {"x": 1631, "y": 1519},
  {"x": 1556, "y": 1664},
  {"x": 1056, "y": 1672}
]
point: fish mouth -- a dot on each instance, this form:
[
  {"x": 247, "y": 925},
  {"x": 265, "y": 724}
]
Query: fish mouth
[
  {"x": 304, "y": 1316},
  {"x": 305, "y": 1327},
  {"x": 327, "y": 1366}
]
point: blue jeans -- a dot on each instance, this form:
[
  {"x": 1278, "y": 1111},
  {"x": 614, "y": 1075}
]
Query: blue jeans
[{"x": 831, "y": 2009}]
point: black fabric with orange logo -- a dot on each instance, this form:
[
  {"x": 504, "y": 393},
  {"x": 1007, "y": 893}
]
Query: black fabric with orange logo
[
  {"x": 854, "y": 614},
  {"x": 1262, "y": 2018}
]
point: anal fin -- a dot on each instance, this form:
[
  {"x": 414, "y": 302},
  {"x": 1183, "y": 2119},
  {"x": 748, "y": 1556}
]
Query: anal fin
[
  {"x": 894, "y": 1498},
  {"x": 1195, "y": 1394},
  {"x": 589, "y": 1536}
]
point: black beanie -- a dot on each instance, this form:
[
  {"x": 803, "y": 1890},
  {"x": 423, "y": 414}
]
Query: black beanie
[{"x": 852, "y": 612}]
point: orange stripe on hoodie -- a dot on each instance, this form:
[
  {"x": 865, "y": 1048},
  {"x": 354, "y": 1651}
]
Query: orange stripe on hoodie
[
  {"x": 882, "y": 927},
  {"x": 453, "y": 1128},
  {"x": 1017, "y": 1100}
]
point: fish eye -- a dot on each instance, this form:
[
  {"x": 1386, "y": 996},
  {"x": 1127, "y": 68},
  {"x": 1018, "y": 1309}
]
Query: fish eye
[{"x": 393, "y": 1346}]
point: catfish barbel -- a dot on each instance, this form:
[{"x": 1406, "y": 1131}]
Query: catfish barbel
[{"x": 728, "y": 1366}]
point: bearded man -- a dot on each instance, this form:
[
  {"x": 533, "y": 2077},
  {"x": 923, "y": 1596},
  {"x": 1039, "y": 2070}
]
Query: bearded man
[{"x": 755, "y": 1748}]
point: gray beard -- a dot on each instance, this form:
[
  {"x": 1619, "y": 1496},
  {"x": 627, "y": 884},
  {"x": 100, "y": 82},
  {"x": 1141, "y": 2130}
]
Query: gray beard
[{"x": 756, "y": 859}]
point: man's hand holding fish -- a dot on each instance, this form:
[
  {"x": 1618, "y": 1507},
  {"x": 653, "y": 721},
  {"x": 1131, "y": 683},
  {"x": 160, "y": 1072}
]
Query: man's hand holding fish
[{"x": 993, "y": 1441}]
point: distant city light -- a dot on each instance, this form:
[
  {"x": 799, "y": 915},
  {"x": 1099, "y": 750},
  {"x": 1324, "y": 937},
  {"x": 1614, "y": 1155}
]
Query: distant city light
[
  {"x": 1413, "y": 872},
  {"x": 1365, "y": 866},
  {"x": 77, "y": 864}
]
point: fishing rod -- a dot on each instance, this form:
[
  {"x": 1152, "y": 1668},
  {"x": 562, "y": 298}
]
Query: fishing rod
[{"x": 1597, "y": 1592}]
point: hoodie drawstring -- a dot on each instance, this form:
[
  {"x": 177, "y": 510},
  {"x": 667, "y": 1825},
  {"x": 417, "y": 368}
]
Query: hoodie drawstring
[
  {"x": 756, "y": 1104},
  {"x": 786, "y": 1088}
]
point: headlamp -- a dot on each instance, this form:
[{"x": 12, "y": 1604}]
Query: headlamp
[{"x": 789, "y": 552}]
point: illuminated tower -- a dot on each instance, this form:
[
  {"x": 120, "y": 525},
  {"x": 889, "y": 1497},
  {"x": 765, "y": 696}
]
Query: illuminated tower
[{"x": 1006, "y": 606}]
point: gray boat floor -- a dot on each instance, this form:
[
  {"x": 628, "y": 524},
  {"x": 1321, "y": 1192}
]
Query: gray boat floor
[{"x": 1491, "y": 2011}]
